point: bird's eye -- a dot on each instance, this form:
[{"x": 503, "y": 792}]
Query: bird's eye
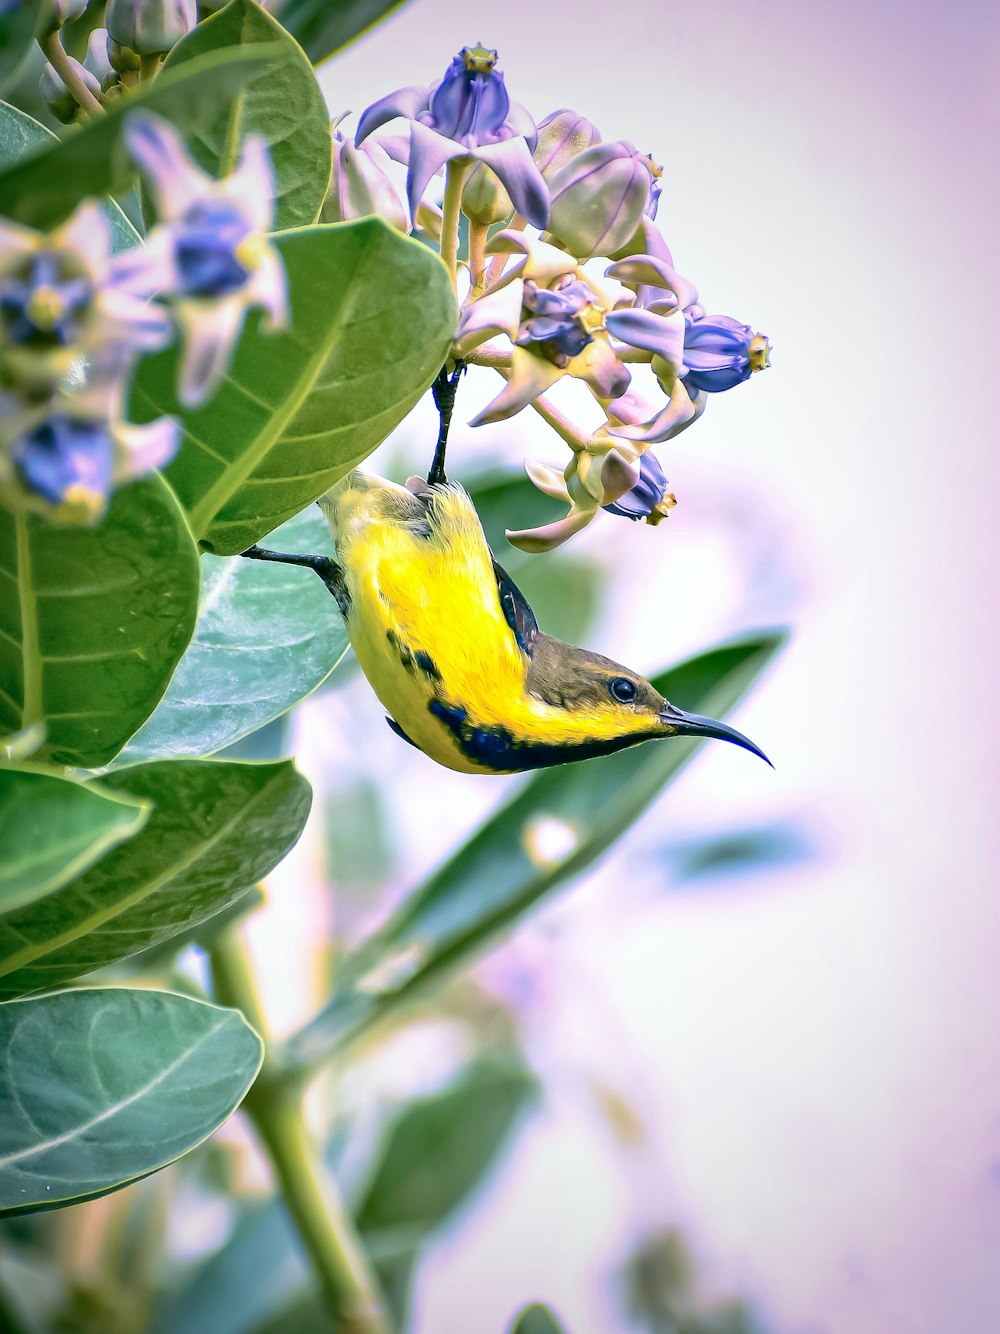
[{"x": 622, "y": 689}]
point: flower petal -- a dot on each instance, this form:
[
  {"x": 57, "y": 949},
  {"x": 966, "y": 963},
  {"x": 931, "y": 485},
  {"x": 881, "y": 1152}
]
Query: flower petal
[
  {"x": 496, "y": 313},
  {"x": 269, "y": 288},
  {"x": 175, "y": 181},
  {"x": 530, "y": 376},
  {"x": 679, "y": 413},
  {"x": 544, "y": 262},
  {"x": 251, "y": 185},
  {"x": 429, "y": 151},
  {"x": 651, "y": 271},
  {"x": 512, "y": 161},
  {"x": 88, "y": 234},
  {"x": 659, "y": 334},
  {"x": 140, "y": 449},
  {"x": 618, "y": 475},
  {"x": 403, "y": 102},
  {"x": 551, "y": 535},
  {"x": 211, "y": 329},
  {"x": 550, "y": 481},
  {"x": 598, "y": 365}
]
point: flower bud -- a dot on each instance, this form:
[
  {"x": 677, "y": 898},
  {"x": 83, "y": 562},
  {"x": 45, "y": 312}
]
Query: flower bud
[
  {"x": 484, "y": 200},
  {"x": 150, "y": 27},
  {"x": 96, "y": 59},
  {"x": 58, "y": 98},
  {"x": 598, "y": 198},
  {"x": 123, "y": 58},
  {"x": 649, "y": 499},
  {"x": 59, "y": 12},
  {"x": 361, "y": 187},
  {"x": 561, "y": 137},
  {"x": 720, "y": 353}
]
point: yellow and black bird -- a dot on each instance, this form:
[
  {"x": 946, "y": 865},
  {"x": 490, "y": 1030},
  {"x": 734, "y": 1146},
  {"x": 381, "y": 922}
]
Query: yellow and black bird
[{"x": 453, "y": 651}]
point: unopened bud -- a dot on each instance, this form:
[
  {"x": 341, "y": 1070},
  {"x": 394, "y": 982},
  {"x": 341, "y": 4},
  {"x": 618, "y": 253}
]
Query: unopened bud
[
  {"x": 58, "y": 12},
  {"x": 561, "y": 137},
  {"x": 58, "y": 98},
  {"x": 361, "y": 187},
  {"x": 123, "y": 58},
  {"x": 484, "y": 199},
  {"x": 150, "y": 27},
  {"x": 598, "y": 198},
  {"x": 96, "y": 59}
]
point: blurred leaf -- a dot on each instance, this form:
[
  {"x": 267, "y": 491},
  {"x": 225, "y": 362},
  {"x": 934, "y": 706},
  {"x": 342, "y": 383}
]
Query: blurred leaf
[
  {"x": 44, "y": 188},
  {"x": 158, "y": 957},
  {"x": 99, "y": 1088},
  {"x": 266, "y": 636},
  {"x": 354, "y": 862},
  {"x": 93, "y": 621},
  {"x": 439, "y": 1150},
  {"x": 564, "y": 589},
  {"x": 500, "y": 874},
  {"x": 270, "y": 742},
  {"x": 281, "y": 102},
  {"x": 326, "y": 26},
  {"x": 537, "y": 1319},
  {"x": 52, "y": 828},
  {"x": 741, "y": 852},
  {"x": 372, "y": 318},
  {"x": 17, "y": 32},
  {"x": 21, "y": 134},
  {"x": 215, "y": 829}
]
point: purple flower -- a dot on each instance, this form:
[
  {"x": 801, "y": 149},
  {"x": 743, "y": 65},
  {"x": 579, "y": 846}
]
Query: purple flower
[
  {"x": 66, "y": 460},
  {"x": 598, "y": 198},
  {"x": 360, "y": 186},
  {"x": 649, "y": 498},
  {"x": 466, "y": 116},
  {"x": 150, "y": 27},
  {"x": 210, "y": 256},
  {"x": 720, "y": 352}
]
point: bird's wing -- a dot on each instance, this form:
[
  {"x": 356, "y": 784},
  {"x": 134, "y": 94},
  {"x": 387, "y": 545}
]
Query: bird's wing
[{"x": 517, "y": 612}]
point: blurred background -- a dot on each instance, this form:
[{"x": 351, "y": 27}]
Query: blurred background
[
  {"x": 768, "y": 1018},
  {"x": 763, "y": 1088}
]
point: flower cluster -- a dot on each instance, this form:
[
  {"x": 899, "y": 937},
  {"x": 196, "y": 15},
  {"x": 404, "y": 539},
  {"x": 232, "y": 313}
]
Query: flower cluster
[
  {"x": 546, "y": 293},
  {"x": 75, "y": 318}
]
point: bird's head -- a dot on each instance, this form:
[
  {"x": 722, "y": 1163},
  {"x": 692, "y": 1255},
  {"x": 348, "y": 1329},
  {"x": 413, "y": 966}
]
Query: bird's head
[{"x": 611, "y": 705}]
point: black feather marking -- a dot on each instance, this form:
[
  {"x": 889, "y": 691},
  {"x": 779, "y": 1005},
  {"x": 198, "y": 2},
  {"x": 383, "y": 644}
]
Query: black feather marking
[
  {"x": 399, "y": 732},
  {"x": 517, "y": 612}
]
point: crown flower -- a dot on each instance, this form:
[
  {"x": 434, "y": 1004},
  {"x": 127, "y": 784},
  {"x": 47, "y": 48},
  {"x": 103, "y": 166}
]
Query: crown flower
[
  {"x": 209, "y": 255},
  {"x": 466, "y": 116},
  {"x": 360, "y": 186}
]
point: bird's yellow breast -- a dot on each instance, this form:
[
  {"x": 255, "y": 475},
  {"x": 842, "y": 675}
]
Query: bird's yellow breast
[{"x": 425, "y": 620}]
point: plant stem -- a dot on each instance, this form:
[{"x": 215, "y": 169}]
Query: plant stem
[
  {"x": 149, "y": 67},
  {"x": 53, "y": 48},
  {"x": 517, "y": 224},
  {"x": 478, "y": 234},
  {"x": 455, "y": 176},
  {"x": 577, "y": 440},
  {"x": 274, "y": 1106}
]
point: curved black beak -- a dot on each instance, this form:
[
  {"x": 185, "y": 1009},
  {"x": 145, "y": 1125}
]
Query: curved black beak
[{"x": 693, "y": 724}]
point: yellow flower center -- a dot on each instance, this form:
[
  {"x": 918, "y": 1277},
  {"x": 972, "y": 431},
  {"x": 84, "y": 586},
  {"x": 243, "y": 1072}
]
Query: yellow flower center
[
  {"x": 478, "y": 59},
  {"x": 45, "y": 307},
  {"x": 251, "y": 251},
  {"x": 760, "y": 353}
]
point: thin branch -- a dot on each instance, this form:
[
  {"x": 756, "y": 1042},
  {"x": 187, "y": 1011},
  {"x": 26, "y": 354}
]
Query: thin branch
[{"x": 66, "y": 68}]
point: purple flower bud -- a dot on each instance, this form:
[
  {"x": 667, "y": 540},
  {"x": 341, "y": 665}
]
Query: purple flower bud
[
  {"x": 67, "y": 461},
  {"x": 649, "y": 498},
  {"x": 720, "y": 352},
  {"x": 470, "y": 104},
  {"x": 59, "y": 12},
  {"x": 361, "y": 187},
  {"x": 561, "y": 137},
  {"x": 150, "y": 26},
  {"x": 58, "y": 98},
  {"x": 97, "y": 60},
  {"x": 598, "y": 198}
]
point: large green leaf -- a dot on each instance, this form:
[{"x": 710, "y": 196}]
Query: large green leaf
[
  {"x": 99, "y": 1088},
  {"x": 280, "y": 102},
  {"x": 326, "y": 26},
  {"x": 267, "y": 635},
  {"x": 214, "y": 830},
  {"x": 17, "y": 32},
  {"x": 499, "y": 875},
  {"x": 52, "y": 828},
  {"x": 21, "y": 134},
  {"x": 42, "y": 189},
  {"x": 93, "y": 621},
  {"x": 537, "y": 1319},
  {"x": 372, "y": 319}
]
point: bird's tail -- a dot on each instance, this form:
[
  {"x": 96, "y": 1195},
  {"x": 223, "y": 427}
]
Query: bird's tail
[{"x": 362, "y": 498}]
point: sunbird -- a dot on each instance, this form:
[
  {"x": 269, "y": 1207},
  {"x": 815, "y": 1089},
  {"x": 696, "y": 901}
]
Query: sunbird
[{"x": 452, "y": 648}]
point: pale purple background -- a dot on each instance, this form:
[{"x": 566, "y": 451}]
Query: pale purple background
[{"x": 816, "y": 1050}]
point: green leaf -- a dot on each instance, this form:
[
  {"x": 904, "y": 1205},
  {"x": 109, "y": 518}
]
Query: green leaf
[
  {"x": 17, "y": 32},
  {"x": 267, "y": 635},
  {"x": 372, "y": 320},
  {"x": 44, "y": 188},
  {"x": 215, "y": 829},
  {"x": 21, "y": 134},
  {"x": 326, "y": 26},
  {"x": 495, "y": 878},
  {"x": 439, "y": 1150},
  {"x": 281, "y": 102},
  {"x": 53, "y": 828},
  {"x": 93, "y": 621},
  {"x": 99, "y": 1088}
]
